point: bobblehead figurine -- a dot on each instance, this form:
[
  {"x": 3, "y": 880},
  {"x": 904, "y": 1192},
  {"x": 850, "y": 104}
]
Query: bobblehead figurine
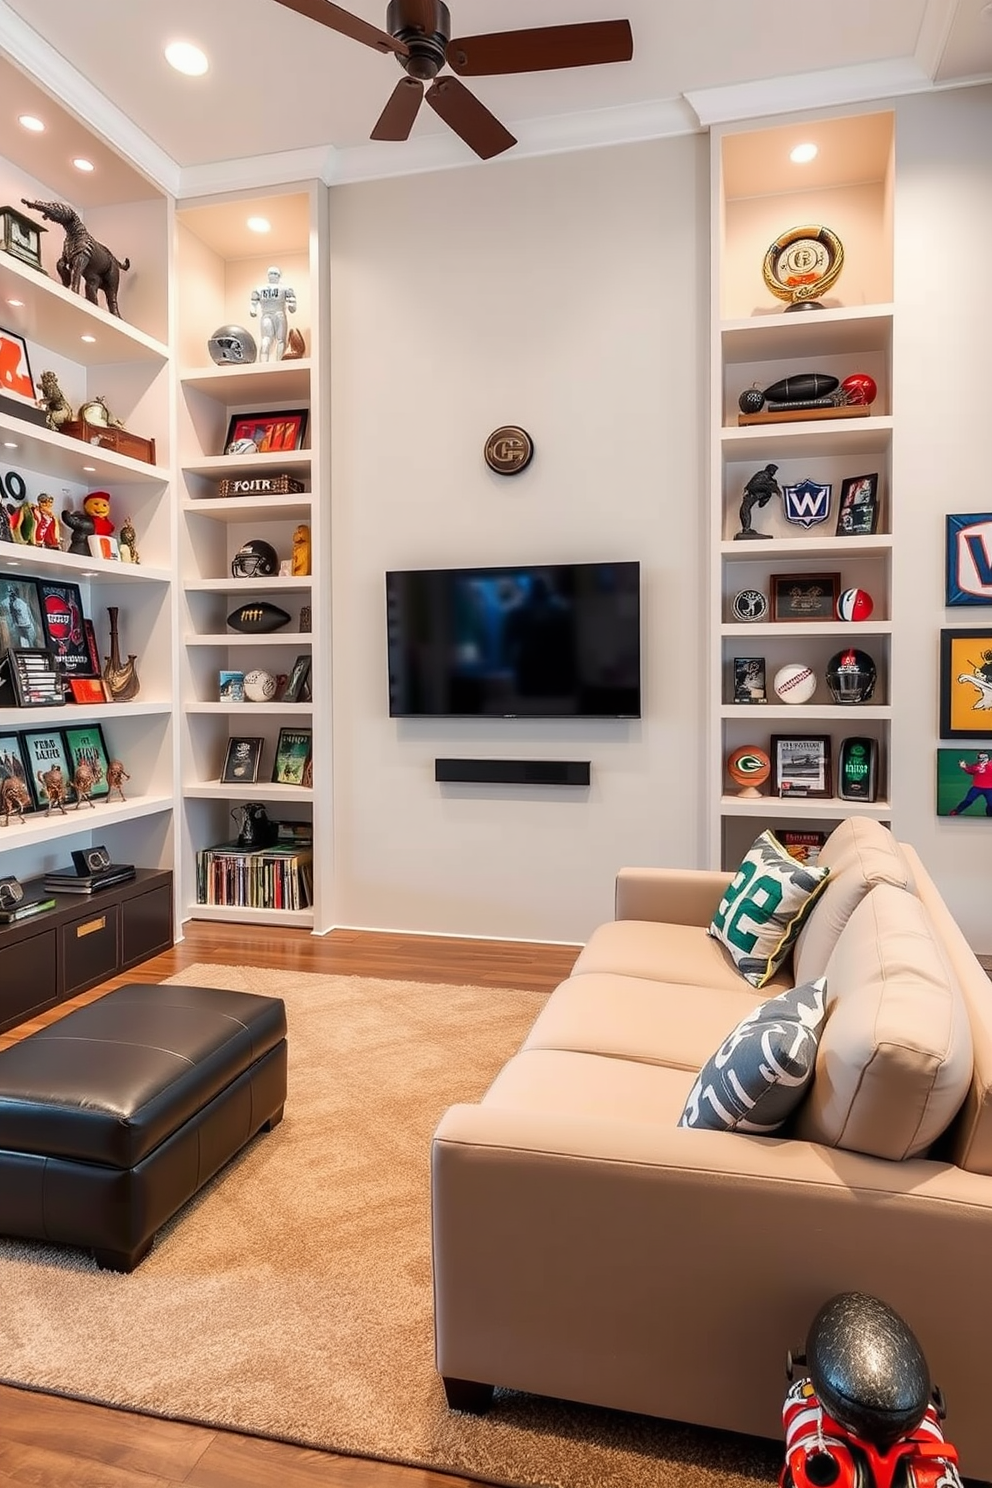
[{"x": 301, "y": 550}]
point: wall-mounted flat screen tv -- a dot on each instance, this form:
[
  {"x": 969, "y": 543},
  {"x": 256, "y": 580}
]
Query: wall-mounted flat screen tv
[{"x": 550, "y": 640}]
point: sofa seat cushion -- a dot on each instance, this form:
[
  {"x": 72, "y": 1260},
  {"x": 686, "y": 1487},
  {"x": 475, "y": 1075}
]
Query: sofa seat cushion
[
  {"x": 558, "y": 1082},
  {"x": 764, "y": 906},
  {"x": 685, "y": 954},
  {"x": 895, "y": 1056},
  {"x": 669, "y": 1023},
  {"x": 860, "y": 853}
]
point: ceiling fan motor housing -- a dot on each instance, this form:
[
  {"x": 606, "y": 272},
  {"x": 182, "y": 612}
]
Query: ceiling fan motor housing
[{"x": 426, "y": 52}]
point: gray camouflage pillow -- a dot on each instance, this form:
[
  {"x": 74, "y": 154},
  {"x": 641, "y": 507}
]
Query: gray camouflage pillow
[
  {"x": 762, "y": 1070},
  {"x": 765, "y": 907}
]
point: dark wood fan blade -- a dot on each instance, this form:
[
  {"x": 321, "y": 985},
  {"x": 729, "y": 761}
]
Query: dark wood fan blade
[
  {"x": 542, "y": 48},
  {"x": 348, "y": 25},
  {"x": 469, "y": 118},
  {"x": 396, "y": 119}
]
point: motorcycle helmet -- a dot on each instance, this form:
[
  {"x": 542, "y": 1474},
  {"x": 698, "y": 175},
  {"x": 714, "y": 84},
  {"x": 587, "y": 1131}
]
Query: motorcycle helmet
[
  {"x": 851, "y": 676},
  {"x": 255, "y": 559},
  {"x": 232, "y": 345}
]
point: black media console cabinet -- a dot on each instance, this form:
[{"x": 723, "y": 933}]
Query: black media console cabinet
[{"x": 84, "y": 940}]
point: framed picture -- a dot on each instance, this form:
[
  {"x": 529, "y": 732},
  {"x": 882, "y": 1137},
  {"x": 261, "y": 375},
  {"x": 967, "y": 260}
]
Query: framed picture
[
  {"x": 749, "y": 679},
  {"x": 801, "y": 845},
  {"x": 15, "y": 369},
  {"x": 969, "y": 559},
  {"x": 44, "y": 749},
  {"x": 296, "y": 681},
  {"x": 20, "y": 615},
  {"x": 260, "y": 433},
  {"x": 64, "y": 626},
  {"x": 801, "y": 765},
  {"x": 292, "y": 754},
  {"x": 35, "y": 678},
  {"x": 12, "y": 764},
  {"x": 243, "y": 759},
  {"x": 231, "y": 687},
  {"x": 966, "y": 684},
  {"x": 805, "y": 596},
  {"x": 87, "y": 743},
  {"x": 964, "y": 782},
  {"x": 857, "y": 514},
  {"x": 87, "y": 690}
]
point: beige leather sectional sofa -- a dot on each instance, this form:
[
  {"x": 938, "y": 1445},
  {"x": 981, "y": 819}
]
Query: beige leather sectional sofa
[{"x": 589, "y": 1248}]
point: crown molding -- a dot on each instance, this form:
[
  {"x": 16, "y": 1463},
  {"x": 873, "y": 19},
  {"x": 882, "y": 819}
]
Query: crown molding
[
  {"x": 256, "y": 172},
  {"x": 935, "y": 29},
  {"x": 51, "y": 71},
  {"x": 808, "y": 90}
]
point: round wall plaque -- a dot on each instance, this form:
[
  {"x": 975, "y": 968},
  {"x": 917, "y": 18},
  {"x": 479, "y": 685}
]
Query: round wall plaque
[
  {"x": 509, "y": 450},
  {"x": 749, "y": 604}
]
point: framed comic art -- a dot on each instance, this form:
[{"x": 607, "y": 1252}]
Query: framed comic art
[
  {"x": 292, "y": 754},
  {"x": 21, "y": 627},
  {"x": 265, "y": 433},
  {"x": 44, "y": 749},
  {"x": 15, "y": 369},
  {"x": 65, "y": 626},
  {"x": 86, "y": 743},
  {"x": 964, "y": 782},
  {"x": 244, "y": 755},
  {"x": 801, "y": 765},
  {"x": 12, "y": 763},
  {"x": 968, "y": 553},
  {"x": 966, "y": 684},
  {"x": 857, "y": 514}
]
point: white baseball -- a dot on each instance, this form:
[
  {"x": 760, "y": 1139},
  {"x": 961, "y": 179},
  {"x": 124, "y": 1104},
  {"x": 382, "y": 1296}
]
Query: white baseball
[
  {"x": 260, "y": 687},
  {"x": 795, "y": 682}
]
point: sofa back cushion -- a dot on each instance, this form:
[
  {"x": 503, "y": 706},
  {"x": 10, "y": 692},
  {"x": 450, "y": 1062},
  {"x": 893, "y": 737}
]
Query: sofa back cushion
[
  {"x": 895, "y": 1056},
  {"x": 860, "y": 853}
]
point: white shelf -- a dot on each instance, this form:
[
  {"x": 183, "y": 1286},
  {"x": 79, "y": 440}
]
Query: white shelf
[
  {"x": 81, "y": 713},
  {"x": 806, "y": 715},
  {"x": 762, "y": 338},
  {"x": 39, "y": 828},
  {"x": 259, "y": 382},
  {"x": 846, "y": 437},
  {"x": 249, "y": 587},
  {"x": 218, "y": 466},
  {"x": 239, "y": 710},
  {"x": 298, "y": 919},
  {"x": 258, "y": 790},
  {"x": 294, "y": 508},
  {"x": 47, "y": 563},
  {"x": 238, "y": 638},
  {"x": 57, "y": 318},
  {"x": 815, "y": 808},
  {"x": 58, "y": 457},
  {"x": 807, "y": 629},
  {"x": 806, "y": 547}
]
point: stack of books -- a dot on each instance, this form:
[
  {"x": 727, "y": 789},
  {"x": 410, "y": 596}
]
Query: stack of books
[
  {"x": 71, "y": 882},
  {"x": 276, "y": 877},
  {"x": 24, "y": 909}
]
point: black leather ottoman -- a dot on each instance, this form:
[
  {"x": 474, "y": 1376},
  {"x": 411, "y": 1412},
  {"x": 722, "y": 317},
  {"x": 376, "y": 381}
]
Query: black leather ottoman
[{"x": 111, "y": 1118}]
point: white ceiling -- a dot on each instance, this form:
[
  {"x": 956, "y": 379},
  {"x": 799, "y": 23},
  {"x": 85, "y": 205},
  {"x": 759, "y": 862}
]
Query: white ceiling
[{"x": 282, "y": 86}]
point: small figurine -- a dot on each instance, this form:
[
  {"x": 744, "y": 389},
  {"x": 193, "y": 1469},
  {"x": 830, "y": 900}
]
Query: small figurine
[
  {"x": 53, "y": 785},
  {"x": 96, "y": 412},
  {"x": 83, "y": 259},
  {"x": 97, "y": 507},
  {"x": 129, "y": 542},
  {"x": 296, "y": 347},
  {"x": 13, "y": 797},
  {"x": 301, "y": 551},
  {"x": 54, "y": 400},
  {"x": 758, "y": 492},
  {"x": 46, "y": 523},
  {"x": 116, "y": 774},
  {"x": 84, "y": 778},
  {"x": 275, "y": 303},
  {"x": 22, "y": 523},
  {"x": 93, "y": 520}
]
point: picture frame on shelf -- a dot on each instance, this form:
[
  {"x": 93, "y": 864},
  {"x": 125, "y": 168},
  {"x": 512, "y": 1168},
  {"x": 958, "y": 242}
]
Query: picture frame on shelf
[
  {"x": 15, "y": 366},
  {"x": 13, "y": 765},
  {"x": 296, "y": 681},
  {"x": 966, "y": 684},
  {"x": 857, "y": 513},
  {"x": 293, "y": 753},
  {"x": 805, "y": 596},
  {"x": 85, "y": 742},
  {"x": 87, "y": 690},
  {"x": 968, "y": 549},
  {"x": 21, "y": 627},
  {"x": 64, "y": 625},
  {"x": 242, "y": 761},
  {"x": 264, "y": 433},
  {"x": 749, "y": 680},
  {"x": 801, "y": 766},
  {"x": 35, "y": 678},
  {"x": 44, "y": 748},
  {"x": 802, "y": 844},
  {"x": 964, "y": 782},
  {"x": 231, "y": 686}
]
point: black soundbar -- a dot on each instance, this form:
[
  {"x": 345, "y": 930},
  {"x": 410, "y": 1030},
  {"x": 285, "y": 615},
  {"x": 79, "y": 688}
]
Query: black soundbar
[{"x": 512, "y": 772}]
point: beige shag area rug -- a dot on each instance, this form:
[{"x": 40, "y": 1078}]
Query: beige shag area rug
[{"x": 291, "y": 1298}]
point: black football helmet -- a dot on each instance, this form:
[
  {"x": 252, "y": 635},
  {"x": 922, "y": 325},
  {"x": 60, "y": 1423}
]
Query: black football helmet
[
  {"x": 851, "y": 676},
  {"x": 232, "y": 345},
  {"x": 255, "y": 559}
]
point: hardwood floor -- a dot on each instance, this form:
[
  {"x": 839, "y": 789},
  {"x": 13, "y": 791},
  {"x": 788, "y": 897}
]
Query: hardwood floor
[{"x": 49, "y": 1442}]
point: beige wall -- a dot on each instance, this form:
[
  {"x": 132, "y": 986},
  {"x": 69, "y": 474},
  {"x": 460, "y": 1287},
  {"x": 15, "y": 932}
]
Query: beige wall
[{"x": 567, "y": 294}]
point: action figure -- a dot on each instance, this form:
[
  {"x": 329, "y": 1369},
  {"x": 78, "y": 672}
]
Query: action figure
[
  {"x": 758, "y": 492},
  {"x": 129, "y": 542},
  {"x": 46, "y": 525},
  {"x": 276, "y": 303},
  {"x": 93, "y": 520}
]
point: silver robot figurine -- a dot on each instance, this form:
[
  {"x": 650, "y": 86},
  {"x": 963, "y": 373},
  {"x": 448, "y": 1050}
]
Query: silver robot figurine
[{"x": 274, "y": 303}]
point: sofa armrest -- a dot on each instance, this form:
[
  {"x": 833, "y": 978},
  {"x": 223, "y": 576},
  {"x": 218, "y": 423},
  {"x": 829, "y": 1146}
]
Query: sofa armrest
[{"x": 670, "y": 896}]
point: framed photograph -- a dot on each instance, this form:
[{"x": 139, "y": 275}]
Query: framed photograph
[
  {"x": 35, "y": 678},
  {"x": 292, "y": 754},
  {"x": 964, "y": 782},
  {"x": 43, "y": 749},
  {"x": 243, "y": 759},
  {"x": 12, "y": 762},
  {"x": 64, "y": 626},
  {"x": 15, "y": 369},
  {"x": 801, "y": 765},
  {"x": 803, "y": 846},
  {"x": 296, "y": 681},
  {"x": 87, "y": 690},
  {"x": 966, "y": 684},
  {"x": 20, "y": 615},
  {"x": 87, "y": 743},
  {"x": 231, "y": 687},
  {"x": 749, "y": 679},
  {"x": 805, "y": 596},
  {"x": 260, "y": 433},
  {"x": 969, "y": 559},
  {"x": 857, "y": 514}
]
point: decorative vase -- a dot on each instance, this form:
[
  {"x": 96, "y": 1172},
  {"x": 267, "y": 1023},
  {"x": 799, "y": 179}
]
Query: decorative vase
[{"x": 121, "y": 679}]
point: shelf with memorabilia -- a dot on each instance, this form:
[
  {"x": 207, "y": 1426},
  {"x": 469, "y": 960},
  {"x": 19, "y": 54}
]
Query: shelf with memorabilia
[
  {"x": 254, "y": 535},
  {"x": 802, "y": 434}
]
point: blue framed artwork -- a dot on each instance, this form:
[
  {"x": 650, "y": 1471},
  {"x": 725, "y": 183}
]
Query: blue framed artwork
[{"x": 969, "y": 559}]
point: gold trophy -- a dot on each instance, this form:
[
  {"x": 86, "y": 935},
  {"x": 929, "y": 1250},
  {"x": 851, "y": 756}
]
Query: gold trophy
[{"x": 803, "y": 263}]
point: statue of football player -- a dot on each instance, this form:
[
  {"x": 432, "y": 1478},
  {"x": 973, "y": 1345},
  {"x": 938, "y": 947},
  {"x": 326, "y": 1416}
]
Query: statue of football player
[
  {"x": 274, "y": 303},
  {"x": 758, "y": 492}
]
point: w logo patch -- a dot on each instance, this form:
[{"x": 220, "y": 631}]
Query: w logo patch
[{"x": 807, "y": 503}]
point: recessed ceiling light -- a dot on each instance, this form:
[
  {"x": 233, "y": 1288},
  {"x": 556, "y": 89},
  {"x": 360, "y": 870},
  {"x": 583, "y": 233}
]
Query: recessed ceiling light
[
  {"x": 17, "y": 304},
  {"x": 187, "y": 58},
  {"x": 260, "y": 224},
  {"x": 89, "y": 467},
  {"x": 803, "y": 154},
  {"x": 10, "y": 444},
  {"x": 28, "y": 121},
  {"x": 87, "y": 338},
  {"x": 82, "y": 164}
]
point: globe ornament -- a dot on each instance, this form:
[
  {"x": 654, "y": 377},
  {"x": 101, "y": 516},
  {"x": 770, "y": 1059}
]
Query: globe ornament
[
  {"x": 748, "y": 767},
  {"x": 751, "y": 400}
]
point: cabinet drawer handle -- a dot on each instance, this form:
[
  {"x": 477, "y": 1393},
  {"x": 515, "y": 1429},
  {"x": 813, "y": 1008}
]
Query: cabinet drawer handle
[{"x": 91, "y": 927}]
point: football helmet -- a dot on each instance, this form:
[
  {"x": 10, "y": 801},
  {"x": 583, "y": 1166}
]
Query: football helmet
[
  {"x": 232, "y": 345},
  {"x": 255, "y": 559},
  {"x": 851, "y": 676}
]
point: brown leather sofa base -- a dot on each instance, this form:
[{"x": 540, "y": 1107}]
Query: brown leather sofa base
[{"x": 111, "y": 1118}]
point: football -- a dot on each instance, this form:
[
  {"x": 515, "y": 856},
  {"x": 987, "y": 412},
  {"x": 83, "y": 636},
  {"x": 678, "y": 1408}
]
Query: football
[
  {"x": 801, "y": 386},
  {"x": 258, "y": 617}
]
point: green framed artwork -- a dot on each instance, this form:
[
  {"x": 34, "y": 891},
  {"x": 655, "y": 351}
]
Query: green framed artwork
[
  {"x": 87, "y": 743},
  {"x": 964, "y": 782}
]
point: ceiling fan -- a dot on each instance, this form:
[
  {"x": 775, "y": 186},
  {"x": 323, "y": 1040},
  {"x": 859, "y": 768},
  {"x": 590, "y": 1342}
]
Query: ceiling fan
[{"x": 419, "y": 34}]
